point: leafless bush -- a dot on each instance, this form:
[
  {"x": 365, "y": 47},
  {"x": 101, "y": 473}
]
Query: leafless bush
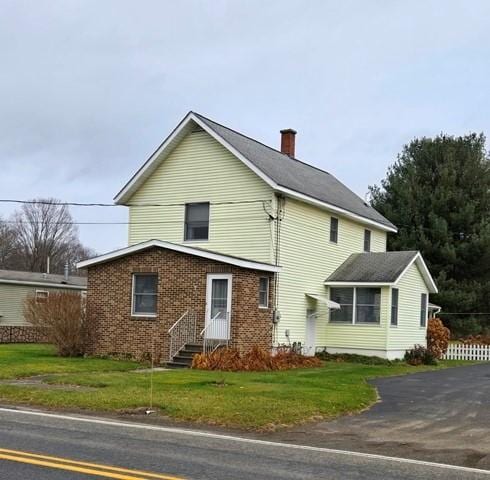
[{"x": 62, "y": 316}]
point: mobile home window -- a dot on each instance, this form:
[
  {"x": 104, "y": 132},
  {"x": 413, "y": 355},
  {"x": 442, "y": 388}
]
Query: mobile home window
[
  {"x": 144, "y": 294},
  {"x": 423, "y": 310},
  {"x": 367, "y": 240},
  {"x": 394, "y": 306},
  {"x": 345, "y": 298},
  {"x": 367, "y": 305},
  {"x": 264, "y": 292},
  {"x": 41, "y": 296},
  {"x": 334, "y": 229},
  {"x": 196, "y": 221}
]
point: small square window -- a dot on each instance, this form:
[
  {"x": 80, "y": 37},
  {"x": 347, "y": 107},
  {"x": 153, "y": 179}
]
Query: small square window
[
  {"x": 42, "y": 296},
  {"x": 367, "y": 240},
  {"x": 144, "y": 294},
  {"x": 264, "y": 292},
  {"x": 334, "y": 229},
  {"x": 196, "y": 221}
]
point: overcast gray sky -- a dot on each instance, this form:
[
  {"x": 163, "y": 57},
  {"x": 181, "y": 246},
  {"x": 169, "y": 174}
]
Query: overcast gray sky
[{"x": 88, "y": 89}]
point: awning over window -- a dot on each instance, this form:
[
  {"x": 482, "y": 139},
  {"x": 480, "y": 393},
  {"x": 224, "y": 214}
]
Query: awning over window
[{"x": 324, "y": 299}]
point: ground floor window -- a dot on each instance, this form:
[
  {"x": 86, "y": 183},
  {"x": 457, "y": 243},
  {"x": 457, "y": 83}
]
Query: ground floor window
[
  {"x": 42, "y": 296},
  {"x": 357, "y": 305},
  {"x": 423, "y": 310},
  {"x": 264, "y": 292},
  {"x": 144, "y": 294}
]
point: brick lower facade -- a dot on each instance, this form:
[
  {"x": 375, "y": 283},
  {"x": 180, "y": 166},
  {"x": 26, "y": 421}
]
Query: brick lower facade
[
  {"x": 21, "y": 334},
  {"x": 182, "y": 280}
]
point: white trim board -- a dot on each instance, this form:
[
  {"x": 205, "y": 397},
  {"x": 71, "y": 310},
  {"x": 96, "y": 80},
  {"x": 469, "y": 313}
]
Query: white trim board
[
  {"x": 183, "y": 128},
  {"x": 239, "y": 262}
]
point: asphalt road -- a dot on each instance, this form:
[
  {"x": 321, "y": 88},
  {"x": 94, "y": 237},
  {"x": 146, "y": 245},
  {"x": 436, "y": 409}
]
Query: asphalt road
[
  {"x": 176, "y": 453},
  {"x": 440, "y": 416}
]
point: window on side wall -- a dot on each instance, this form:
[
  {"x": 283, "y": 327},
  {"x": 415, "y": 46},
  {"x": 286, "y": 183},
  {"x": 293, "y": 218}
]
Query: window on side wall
[
  {"x": 345, "y": 298},
  {"x": 196, "y": 221},
  {"x": 264, "y": 292},
  {"x": 367, "y": 240},
  {"x": 144, "y": 294},
  {"x": 42, "y": 296},
  {"x": 423, "y": 310},
  {"x": 334, "y": 229},
  {"x": 394, "y": 306}
]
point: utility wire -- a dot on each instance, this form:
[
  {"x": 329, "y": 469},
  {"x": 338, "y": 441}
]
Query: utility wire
[{"x": 79, "y": 204}]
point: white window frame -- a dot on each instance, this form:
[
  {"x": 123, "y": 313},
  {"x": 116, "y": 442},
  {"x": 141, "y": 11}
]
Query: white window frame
[
  {"x": 367, "y": 234},
  {"x": 197, "y": 240},
  {"x": 266, "y": 305},
  {"x": 426, "y": 312},
  {"x": 336, "y": 241},
  {"x": 133, "y": 277},
  {"x": 354, "y": 308},
  {"x": 45, "y": 298},
  {"x": 397, "y": 307}
]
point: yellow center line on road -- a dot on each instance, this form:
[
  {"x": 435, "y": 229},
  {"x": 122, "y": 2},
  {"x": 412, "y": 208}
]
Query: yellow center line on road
[{"x": 81, "y": 467}]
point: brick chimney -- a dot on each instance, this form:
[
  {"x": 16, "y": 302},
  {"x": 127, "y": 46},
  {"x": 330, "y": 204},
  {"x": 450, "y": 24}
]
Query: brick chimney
[{"x": 287, "y": 141}]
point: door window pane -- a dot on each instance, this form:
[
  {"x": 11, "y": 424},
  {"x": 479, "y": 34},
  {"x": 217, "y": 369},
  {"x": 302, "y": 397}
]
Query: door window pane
[{"x": 219, "y": 297}]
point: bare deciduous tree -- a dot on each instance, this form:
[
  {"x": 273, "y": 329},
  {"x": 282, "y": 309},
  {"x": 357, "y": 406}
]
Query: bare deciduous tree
[{"x": 38, "y": 231}]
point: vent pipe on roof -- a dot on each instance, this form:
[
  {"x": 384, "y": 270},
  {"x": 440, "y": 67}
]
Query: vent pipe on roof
[{"x": 288, "y": 137}]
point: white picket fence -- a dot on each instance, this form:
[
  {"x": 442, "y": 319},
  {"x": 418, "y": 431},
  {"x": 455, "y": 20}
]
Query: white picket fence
[{"x": 459, "y": 351}]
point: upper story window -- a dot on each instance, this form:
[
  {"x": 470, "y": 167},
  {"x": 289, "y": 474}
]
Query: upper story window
[
  {"x": 357, "y": 305},
  {"x": 367, "y": 240},
  {"x": 264, "y": 292},
  {"x": 196, "y": 221},
  {"x": 144, "y": 294},
  {"x": 334, "y": 229}
]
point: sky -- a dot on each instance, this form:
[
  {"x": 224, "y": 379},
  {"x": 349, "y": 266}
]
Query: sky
[{"x": 88, "y": 89}]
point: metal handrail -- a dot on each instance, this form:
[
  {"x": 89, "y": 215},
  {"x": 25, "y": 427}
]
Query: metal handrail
[
  {"x": 182, "y": 332},
  {"x": 177, "y": 322},
  {"x": 211, "y": 322}
]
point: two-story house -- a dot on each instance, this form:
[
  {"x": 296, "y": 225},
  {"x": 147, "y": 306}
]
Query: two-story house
[{"x": 234, "y": 242}]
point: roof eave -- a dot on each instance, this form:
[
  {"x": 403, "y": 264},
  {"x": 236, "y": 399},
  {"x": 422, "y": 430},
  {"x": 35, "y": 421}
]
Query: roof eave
[
  {"x": 358, "y": 284},
  {"x": 249, "y": 264},
  {"x": 426, "y": 275}
]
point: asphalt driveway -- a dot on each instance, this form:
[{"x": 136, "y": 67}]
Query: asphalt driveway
[{"x": 441, "y": 416}]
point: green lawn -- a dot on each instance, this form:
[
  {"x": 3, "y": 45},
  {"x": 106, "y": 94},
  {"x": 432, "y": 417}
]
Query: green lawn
[{"x": 245, "y": 400}]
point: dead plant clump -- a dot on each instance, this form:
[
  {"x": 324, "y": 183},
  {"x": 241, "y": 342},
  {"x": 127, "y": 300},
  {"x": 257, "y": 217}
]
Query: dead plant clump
[
  {"x": 437, "y": 337},
  {"x": 62, "y": 316},
  {"x": 477, "y": 340},
  {"x": 255, "y": 360}
]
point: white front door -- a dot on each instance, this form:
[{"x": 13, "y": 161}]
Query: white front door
[
  {"x": 310, "y": 332},
  {"x": 218, "y": 306}
]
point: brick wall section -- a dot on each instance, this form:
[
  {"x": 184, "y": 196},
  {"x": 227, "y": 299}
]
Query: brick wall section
[
  {"x": 21, "y": 334},
  {"x": 181, "y": 287}
]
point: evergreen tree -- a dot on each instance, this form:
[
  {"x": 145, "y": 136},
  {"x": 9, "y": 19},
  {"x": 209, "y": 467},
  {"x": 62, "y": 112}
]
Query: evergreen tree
[{"x": 438, "y": 195}]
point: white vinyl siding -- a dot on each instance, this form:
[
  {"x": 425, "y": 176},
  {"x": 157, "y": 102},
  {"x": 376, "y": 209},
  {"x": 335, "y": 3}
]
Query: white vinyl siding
[
  {"x": 308, "y": 258},
  {"x": 12, "y": 299},
  {"x": 408, "y": 332},
  {"x": 201, "y": 170}
]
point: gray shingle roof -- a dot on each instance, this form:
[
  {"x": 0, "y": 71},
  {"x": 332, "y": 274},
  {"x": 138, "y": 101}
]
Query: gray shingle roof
[
  {"x": 298, "y": 176},
  {"x": 384, "y": 267},
  {"x": 47, "y": 278}
]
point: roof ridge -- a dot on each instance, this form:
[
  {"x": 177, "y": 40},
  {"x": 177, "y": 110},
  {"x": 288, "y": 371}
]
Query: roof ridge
[{"x": 287, "y": 157}]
